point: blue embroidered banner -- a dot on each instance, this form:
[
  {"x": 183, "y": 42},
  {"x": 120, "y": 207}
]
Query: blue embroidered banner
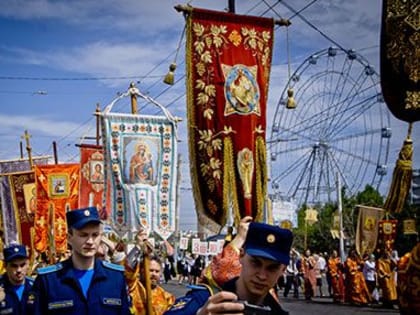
[{"x": 141, "y": 161}]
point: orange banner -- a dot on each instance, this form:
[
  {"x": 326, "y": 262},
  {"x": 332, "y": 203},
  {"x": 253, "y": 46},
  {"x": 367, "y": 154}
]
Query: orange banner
[
  {"x": 92, "y": 180},
  {"x": 57, "y": 192}
]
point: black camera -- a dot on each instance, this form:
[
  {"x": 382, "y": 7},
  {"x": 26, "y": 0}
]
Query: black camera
[{"x": 252, "y": 309}]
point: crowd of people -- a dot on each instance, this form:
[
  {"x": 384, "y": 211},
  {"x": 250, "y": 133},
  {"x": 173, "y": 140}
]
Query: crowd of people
[
  {"x": 362, "y": 281},
  {"x": 258, "y": 265}
]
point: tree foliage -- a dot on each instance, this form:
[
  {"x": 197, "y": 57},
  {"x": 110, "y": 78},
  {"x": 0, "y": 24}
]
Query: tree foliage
[{"x": 319, "y": 237}]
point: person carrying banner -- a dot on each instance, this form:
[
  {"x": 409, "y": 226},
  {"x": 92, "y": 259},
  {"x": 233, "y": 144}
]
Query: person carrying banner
[
  {"x": 264, "y": 257},
  {"x": 335, "y": 271},
  {"x": 161, "y": 299},
  {"x": 14, "y": 284},
  {"x": 356, "y": 290},
  {"x": 81, "y": 285},
  {"x": 386, "y": 275}
]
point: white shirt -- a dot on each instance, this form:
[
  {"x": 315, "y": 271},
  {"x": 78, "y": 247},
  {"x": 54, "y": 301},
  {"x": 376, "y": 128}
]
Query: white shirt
[{"x": 369, "y": 270}]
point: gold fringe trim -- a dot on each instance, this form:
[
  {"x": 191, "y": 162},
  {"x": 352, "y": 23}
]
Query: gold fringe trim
[
  {"x": 230, "y": 197},
  {"x": 401, "y": 177},
  {"x": 260, "y": 178}
]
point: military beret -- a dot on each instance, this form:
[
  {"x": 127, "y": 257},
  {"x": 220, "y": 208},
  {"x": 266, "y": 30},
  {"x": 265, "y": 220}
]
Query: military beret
[
  {"x": 268, "y": 241},
  {"x": 14, "y": 251},
  {"x": 80, "y": 217}
]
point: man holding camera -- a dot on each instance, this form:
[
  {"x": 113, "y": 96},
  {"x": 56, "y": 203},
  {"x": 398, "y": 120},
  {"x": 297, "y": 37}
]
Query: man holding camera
[{"x": 264, "y": 257}]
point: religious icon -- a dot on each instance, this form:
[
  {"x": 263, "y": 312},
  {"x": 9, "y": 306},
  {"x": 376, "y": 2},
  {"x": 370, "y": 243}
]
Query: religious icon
[
  {"x": 241, "y": 90},
  {"x": 369, "y": 224},
  {"x": 29, "y": 193},
  {"x": 97, "y": 173},
  {"x": 58, "y": 185},
  {"x": 142, "y": 164}
]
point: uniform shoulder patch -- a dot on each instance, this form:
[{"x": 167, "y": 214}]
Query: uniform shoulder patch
[
  {"x": 49, "y": 269},
  {"x": 30, "y": 280},
  {"x": 112, "y": 266}
]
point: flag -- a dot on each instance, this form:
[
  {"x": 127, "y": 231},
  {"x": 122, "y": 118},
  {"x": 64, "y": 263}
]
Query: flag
[
  {"x": 141, "y": 161},
  {"x": 57, "y": 192},
  {"x": 23, "y": 195},
  {"x": 387, "y": 233},
  {"x": 367, "y": 229},
  {"x": 228, "y": 68},
  {"x": 400, "y": 66},
  {"x": 92, "y": 180},
  {"x": 7, "y": 167}
]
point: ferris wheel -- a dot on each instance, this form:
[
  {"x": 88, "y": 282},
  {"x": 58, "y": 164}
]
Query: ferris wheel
[{"x": 340, "y": 129}]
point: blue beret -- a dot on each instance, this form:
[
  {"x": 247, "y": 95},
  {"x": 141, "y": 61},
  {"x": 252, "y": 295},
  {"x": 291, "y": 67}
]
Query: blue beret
[
  {"x": 80, "y": 217},
  {"x": 268, "y": 241},
  {"x": 14, "y": 251}
]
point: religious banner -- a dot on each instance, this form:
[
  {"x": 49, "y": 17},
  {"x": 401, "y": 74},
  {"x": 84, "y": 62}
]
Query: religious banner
[
  {"x": 367, "y": 229},
  {"x": 387, "y": 233},
  {"x": 400, "y": 65},
  {"x": 228, "y": 69},
  {"x": 141, "y": 159},
  {"x": 92, "y": 180},
  {"x": 57, "y": 192},
  {"x": 11, "y": 233},
  {"x": 23, "y": 194},
  {"x": 335, "y": 226},
  {"x": 7, "y": 167}
]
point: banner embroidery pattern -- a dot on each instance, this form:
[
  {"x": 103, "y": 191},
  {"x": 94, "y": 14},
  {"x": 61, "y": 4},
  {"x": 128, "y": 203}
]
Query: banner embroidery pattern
[
  {"x": 142, "y": 156},
  {"x": 228, "y": 67}
]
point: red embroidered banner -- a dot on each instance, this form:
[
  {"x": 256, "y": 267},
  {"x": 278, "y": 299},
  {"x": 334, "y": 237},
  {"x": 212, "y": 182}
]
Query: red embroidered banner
[
  {"x": 228, "y": 68},
  {"x": 57, "y": 192},
  {"x": 92, "y": 180},
  {"x": 23, "y": 193},
  {"x": 387, "y": 234}
]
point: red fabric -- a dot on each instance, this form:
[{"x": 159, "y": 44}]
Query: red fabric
[
  {"x": 229, "y": 60},
  {"x": 92, "y": 182},
  {"x": 57, "y": 192},
  {"x": 387, "y": 234},
  {"x": 24, "y": 200}
]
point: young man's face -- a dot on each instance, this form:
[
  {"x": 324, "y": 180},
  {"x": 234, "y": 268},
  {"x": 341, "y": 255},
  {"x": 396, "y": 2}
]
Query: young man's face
[
  {"x": 259, "y": 274},
  {"x": 16, "y": 270},
  {"x": 85, "y": 242}
]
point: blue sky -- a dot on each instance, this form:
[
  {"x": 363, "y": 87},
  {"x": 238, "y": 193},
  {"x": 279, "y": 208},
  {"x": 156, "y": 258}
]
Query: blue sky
[{"x": 58, "y": 59}]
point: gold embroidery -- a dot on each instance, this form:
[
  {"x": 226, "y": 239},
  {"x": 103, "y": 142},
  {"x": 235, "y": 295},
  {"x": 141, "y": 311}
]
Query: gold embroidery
[
  {"x": 245, "y": 165},
  {"x": 412, "y": 100},
  {"x": 402, "y": 25}
]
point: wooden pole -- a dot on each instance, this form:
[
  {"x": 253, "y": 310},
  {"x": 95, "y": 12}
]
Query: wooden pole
[
  {"x": 133, "y": 97},
  {"x": 98, "y": 123},
  {"x": 232, "y": 6},
  {"x": 147, "y": 284},
  {"x": 21, "y": 149},
  {"x": 55, "y": 152},
  {"x": 27, "y": 136},
  {"x": 340, "y": 218},
  {"x": 187, "y": 9}
]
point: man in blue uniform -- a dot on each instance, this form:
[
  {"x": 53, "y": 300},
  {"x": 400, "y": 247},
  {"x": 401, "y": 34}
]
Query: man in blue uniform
[
  {"x": 14, "y": 284},
  {"x": 264, "y": 257},
  {"x": 81, "y": 285}
]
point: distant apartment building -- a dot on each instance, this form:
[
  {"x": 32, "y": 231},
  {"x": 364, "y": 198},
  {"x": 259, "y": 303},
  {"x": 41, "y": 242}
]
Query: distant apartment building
[{"x": 415, "y": 188}]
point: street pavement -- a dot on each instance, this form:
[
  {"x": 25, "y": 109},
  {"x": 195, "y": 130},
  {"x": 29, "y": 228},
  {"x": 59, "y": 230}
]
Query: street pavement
[{"x": 318, "y": 306}]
